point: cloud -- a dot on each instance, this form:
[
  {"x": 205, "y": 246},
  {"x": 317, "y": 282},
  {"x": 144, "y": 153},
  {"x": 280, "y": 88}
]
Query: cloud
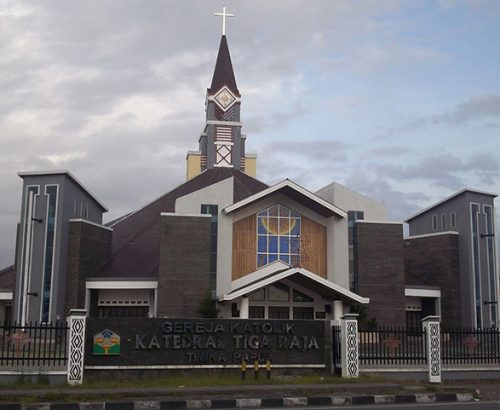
[
  {"x": 476, "y": 108},
  {"x": 446, "y": 170},
  {"x": 481, "y": 107}
]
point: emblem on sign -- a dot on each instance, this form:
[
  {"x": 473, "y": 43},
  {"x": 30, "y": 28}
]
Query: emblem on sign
[{"x": 106, "y": 343}]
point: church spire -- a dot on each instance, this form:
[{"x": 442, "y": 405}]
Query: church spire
[
  {"x": 223, "y": 73},
  {"x": 221, "y": 143}
]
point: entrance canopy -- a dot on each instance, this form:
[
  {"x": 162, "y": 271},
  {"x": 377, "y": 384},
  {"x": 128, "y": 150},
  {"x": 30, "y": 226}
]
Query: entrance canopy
[{"x": 302, "y": 277}]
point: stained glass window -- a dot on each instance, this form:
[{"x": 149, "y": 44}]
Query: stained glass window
[{"x": 278, "y": 236}]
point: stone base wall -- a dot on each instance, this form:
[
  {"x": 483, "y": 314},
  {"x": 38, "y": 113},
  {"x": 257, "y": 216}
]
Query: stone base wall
[
  {"x": 380, "y": 271},
  {"x": 434, "y": 261},
  {"x": 184, "y": 268},
  {"x": 89, "y": 249}
]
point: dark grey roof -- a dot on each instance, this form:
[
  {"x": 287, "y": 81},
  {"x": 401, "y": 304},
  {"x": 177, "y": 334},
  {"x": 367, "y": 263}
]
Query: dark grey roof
[
  {"x": 458, "y": 193},
  {"x": 136, "y": 237}
]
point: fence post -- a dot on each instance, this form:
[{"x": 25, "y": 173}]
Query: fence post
[
  {"x": 349, "y": 345},
  {"x": 76, "y": 346},
  {"x": 431, "y": 325}
]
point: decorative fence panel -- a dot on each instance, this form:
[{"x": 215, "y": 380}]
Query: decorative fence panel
[
  {"x": 35, "y": 344},
  {"x": 470, "y": 346},
  {"x": 392, "y": 346}
]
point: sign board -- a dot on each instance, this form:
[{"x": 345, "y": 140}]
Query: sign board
[{"x": 207, "y": 342}]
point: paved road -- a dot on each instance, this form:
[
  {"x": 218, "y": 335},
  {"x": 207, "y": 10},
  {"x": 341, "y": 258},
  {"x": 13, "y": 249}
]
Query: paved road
[{"x": 430, "y": 406}]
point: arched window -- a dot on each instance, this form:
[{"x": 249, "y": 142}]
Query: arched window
[{"x": 278, "y": 236}]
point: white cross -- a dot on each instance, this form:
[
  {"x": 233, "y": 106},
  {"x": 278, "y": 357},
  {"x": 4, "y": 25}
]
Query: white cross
[{"x": 224, "y": 15}]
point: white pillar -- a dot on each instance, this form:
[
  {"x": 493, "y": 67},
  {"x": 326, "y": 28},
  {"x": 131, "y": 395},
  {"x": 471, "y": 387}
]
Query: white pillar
[
  {"x": 76, "y": 346},
  {"x": 431, "y": 325},
  {"x": 338, "y": 309},
  {"x": 349, "y": 345},
  {"x": 244, "y": 307}
]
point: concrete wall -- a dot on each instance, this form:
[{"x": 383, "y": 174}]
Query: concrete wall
[
  {"x": 349, "y": 200},
  {"x": 380, "y": 259},
  {"x": 434, "y": 261},
  {"x": 89, "y": 249},
  {"x": 183, "y": 281},
  {"x": 220, "y": 194}
]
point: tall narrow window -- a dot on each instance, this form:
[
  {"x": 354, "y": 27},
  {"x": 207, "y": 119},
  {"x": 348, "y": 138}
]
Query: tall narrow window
[
  {"x": 212, "y": 210},
  {"x": 453, "y": 220},
  {"x": 434, "y": 222},
  {"x": 278, "y": 236},
  {"x": 29, "y": 213},
  {"x": 51, "y": 191},
  {"x": 491, "y": 260},
  {"x": 443, "y": 221},
  {"x": 475, "y": 263}
]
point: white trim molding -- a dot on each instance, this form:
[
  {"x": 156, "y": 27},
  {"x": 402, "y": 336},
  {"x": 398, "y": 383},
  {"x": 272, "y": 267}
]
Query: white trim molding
[
  {"x": 188, "y": 215},
  {"x": 6, "y": 295},
  {"x": 426, "y": 235},
  {"x": 423, "y": 293},
  {"x": 286, "y": 184},
  {"x": 121, "y": 284},
  {"x": 272, "y": 278}
]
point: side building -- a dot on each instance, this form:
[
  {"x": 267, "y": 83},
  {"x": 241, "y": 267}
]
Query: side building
[
  {"x": 463, "y": 224},
  {"x": 50, "y": 201}
]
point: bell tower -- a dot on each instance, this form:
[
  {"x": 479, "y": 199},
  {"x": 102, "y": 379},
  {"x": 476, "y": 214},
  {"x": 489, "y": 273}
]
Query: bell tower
[{"x": 221, "y": 143}]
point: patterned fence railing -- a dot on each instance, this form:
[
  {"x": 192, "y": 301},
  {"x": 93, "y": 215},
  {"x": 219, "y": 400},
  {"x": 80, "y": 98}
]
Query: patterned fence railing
[
  {"x": 35, "y": 344},
  {"x": 470, "y": 346},
  {"x": 392, "y": 346}
]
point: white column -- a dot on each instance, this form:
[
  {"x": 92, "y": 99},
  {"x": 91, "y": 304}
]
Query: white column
[
  {"x": 338, "y": 309},
  {"x": 244, "y": 307},
  {"x": 431, "y": 325},
  {"x": 349, "y": 345},
  {"x": 76, "y": 346}
]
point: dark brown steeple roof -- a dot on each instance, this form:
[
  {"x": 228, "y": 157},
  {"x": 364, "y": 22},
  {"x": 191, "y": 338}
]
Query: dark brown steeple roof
[{"x": 223, "y": 73}]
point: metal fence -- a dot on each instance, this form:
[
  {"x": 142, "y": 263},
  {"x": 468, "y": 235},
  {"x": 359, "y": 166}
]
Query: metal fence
[
  {"x": 392, "y": 346},
  {"x": 470, "y": 346},
  {"x": 35, "y": 344}
]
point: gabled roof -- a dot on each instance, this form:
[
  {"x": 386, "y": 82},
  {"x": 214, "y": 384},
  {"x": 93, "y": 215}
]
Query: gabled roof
[
  {"x": 295, "y": 192},
  {"x": 462, "y": 191},
  {"x": 70, "y": 176},
  {"x": 223, "y": 73},
  {"x": 136, "y": 236},
  {"x": 323, "y": 287}
]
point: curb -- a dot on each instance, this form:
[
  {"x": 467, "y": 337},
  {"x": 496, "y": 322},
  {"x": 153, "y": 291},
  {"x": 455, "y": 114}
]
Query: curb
[{"x": 246, "y": 403}]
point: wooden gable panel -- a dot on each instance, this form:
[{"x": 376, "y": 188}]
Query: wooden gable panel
[
  {"x": 244, "y": 247},
  {"x": 313, "y": 247}
]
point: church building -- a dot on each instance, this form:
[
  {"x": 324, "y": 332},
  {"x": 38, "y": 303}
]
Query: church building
[{"x": 225, "y": 244}]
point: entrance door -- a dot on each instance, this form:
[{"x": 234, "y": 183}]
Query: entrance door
[{"x": 413, "y": 320}]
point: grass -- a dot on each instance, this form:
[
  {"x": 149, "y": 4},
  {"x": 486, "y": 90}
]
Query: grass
[{"x": 140, "y": 387}]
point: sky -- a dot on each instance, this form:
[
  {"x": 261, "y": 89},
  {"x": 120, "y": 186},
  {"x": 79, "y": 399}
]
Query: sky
[{"x": 397, "y": 99}]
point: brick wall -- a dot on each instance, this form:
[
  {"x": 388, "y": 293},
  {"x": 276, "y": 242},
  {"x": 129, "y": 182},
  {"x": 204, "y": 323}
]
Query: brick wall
[
  {"x": 380, "y": 268},
  {"x": 184, "y": 268},
  {"x": 434, "y": 261},
  {"x": 89, "y": 249}
]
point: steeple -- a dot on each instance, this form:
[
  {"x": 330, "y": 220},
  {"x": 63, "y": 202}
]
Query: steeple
[
  {"x": 223, "y": 73},
  {"x": 221, "y": 143}
]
